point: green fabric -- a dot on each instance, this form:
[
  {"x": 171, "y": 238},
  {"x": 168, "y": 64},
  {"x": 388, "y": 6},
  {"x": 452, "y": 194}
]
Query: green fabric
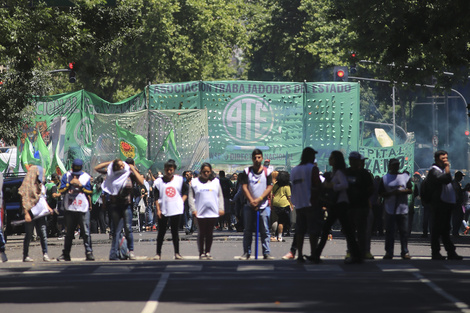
[
  {"x": 43, "y": 152},
  {"x": 27, "y": 157},
  {"x": 132, "y": 146}
]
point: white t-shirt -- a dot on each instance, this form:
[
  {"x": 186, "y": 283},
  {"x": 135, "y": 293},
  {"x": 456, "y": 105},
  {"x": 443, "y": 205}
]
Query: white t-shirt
[
  {"x": 75, "y": 200},
  {"x": 396, "y": 204},
  {"x": 171, "y": 202},
  {"x": 206, "y": 198}
]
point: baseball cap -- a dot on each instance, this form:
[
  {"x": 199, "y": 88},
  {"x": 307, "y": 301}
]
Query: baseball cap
[
  {"x": 355, "y": 155},
  {"x": 77, "y": 165},
  {"x": 459, "y": 173}
]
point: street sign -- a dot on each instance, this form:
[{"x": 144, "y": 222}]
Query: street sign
[{"x": 435, "y": 141}]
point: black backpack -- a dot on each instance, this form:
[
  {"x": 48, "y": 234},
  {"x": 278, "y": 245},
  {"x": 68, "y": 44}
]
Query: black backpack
[{"x": 425, "y": 191}]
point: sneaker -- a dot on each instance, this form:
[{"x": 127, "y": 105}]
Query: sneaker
[
  {"x": 454, "y": 256},
  {"x": 132, "y": 255},
  {"x": 27, "y": 259},
  {"x": 46, "y": 258},
  {"x": 63, "y": 258},
  {"x": 330, "y": 237},
  {"x": 3, "y": 256},
  {"x": 267, "y": 256},
  {"x": 300, "y": 259},
  {"x": 203, "y": 257},
  {"x": 369, "y": 256},
  {"x": 406, "y": 256},
  {"x": 438, "y": 257},
  {"x": 289, "y": 256},
  {"x": 245, "y": 256},
  {"x": 90, "y": 257},
  {"x": 157, "y": 257},
  {"x": 467, "y": 229},
  {"x": 209, "y": 256},
  {"x": 178, "y": 256},
  {"x": 388, "y": 256},
  {"x": 279, "y": 238}
]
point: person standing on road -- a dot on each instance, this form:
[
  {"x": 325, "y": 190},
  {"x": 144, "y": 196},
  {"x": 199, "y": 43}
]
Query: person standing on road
[
  {"x": 443, "y": 201},
  {"x": 256, "y": 185},
  {"x": 170, "y": 193},
  {"x": 458, "y": 211},
  {"x": 119, "y": 185},
  {"x": 306, "y": 184},
  {"x": 76, "y": 186},
  {"x": 338, "y": 210},
  {"x": 360, "y": 188},
  {"x": 206, "y": 202},
  {"x": 33, "y": 199},
  {"x": 395, "y": 188},
  {"x": 3, "y": 255}
]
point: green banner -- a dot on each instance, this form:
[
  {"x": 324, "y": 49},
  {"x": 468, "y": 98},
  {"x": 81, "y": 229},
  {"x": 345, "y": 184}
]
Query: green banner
[
  {"x": 277, "y": 117},
  {"x": 378, "y": 158}
]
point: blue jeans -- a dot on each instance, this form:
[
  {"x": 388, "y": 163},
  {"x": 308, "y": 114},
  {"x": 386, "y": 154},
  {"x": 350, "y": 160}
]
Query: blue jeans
[
  {"x": 72, "y": 219},
  {"x": 41, "y": 229},
  {"x": 149, "y": 213},
  {"x": 188, "y": 220},
  {"x": 392, "y": 223},
  {"x": 121, "y": 215},
  {"x": 249, "y": 219},
  {"x": 2, "y": 239}
]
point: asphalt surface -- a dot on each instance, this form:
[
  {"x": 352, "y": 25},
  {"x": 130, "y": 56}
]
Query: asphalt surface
[{"x": 229, "y": 285}]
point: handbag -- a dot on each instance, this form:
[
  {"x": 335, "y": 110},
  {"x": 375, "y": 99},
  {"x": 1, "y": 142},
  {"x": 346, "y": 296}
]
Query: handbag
[{"x": 328, "y": 196}]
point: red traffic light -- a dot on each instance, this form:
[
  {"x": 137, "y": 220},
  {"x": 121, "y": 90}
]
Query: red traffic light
[
  {"x": 467, "y": 133},
  {"x": 340, "y": 73},
  {"x": 353, "y": 54},
  {"x": 71, "y": 64}
]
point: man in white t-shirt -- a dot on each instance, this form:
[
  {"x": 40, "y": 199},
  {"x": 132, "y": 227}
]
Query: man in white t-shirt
[
  {"x": 257, "y": 185},
  {"x": 76, "y": 187}
]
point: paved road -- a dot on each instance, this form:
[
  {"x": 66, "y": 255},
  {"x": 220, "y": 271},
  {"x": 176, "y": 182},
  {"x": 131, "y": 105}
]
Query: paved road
[{"x": 229, "y": 285}]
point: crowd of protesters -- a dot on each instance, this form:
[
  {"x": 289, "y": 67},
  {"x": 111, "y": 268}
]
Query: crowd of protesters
[{"x": 305, "y": 202}]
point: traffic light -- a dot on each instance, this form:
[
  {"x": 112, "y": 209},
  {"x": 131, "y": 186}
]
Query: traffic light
[
  {"x": 352, "y": 62},
  {"x": 468, "y": 109},
  {"x": 72, "y": 78},
  {"x": 340, "y": 73}
]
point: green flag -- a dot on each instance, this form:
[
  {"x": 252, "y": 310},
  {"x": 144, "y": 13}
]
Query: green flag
[
  {"x": 169, "y": 147},
  {"x": 44, "y": 155},
  {"x": 27, "y": 156},
  {"x": 56, "y": 165},
  {"x": 132, "y": 146},
  {"x": 3, "y": 165}
]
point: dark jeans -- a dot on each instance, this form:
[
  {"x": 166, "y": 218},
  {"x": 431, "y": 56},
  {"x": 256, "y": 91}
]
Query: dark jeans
[
  {"x": 457, "y": 218},
  {"x": 205, "y": 234},
  {"x": 392, "y": 223},
  {"x": 339, "y": 212},
  {"x": 41, "y": 229},
  {"x": 426, "y": 218},
  {"x": 121, "y": 215},
  {"x": 358, "y": 219},
  {"x": 162, "y": 225},
  {"x": 72, "y": 220},
  {"x": 440, "y": 228}
]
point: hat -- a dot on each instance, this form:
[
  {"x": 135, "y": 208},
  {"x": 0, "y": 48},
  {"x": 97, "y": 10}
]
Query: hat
[
  {"x": 417, "y": 174},
  {"x": 459, "y": 173},
  {"x": 393, "y": 161},
  {"x": 267, "y": 160},
  {"x": 355, "y": 155},
  {"x": 77, "y": 163}
]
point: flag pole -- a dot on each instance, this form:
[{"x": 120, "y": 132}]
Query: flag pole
[{"x": 257, "y": 234}]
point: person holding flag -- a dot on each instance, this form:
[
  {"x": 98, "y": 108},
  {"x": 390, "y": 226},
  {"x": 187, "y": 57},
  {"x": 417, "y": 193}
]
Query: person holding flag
[{"x": 76, "y": 187}]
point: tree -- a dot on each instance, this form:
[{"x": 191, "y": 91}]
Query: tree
[{"x": 411, "y": 40}]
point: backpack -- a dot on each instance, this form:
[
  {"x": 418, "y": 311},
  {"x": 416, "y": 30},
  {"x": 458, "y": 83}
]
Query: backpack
[
  {"x": 425, "y": 191},
  {"x": 122, "y": 251}
]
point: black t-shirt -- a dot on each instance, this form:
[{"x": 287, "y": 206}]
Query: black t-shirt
[{"x": 360, "y": 188}]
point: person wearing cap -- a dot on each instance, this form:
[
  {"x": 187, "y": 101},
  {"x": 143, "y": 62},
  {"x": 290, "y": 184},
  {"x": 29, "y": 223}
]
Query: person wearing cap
[
  {"x": 360, "y": 189},
  {"x": 457, "y": 211},
  {"x": 439, "y": 181},
  {"x": 76, "y": 187},
  {"x": 395, "y": 188}
]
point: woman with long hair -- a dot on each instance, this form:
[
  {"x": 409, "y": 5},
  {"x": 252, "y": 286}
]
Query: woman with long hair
[
  {"x": 281, "y": 202},
  {"x": 206, "y": 202},
  {"x": 338, "y": 209}
]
